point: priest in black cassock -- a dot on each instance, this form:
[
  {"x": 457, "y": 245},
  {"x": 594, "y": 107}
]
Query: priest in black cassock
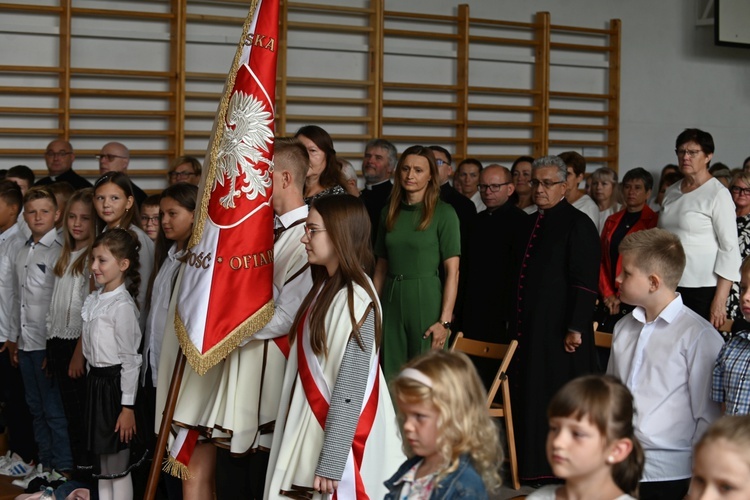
[
  {"x": 487, "y": 284},
  {"x": 486, "y": 281},
  {"x": 557, "y": 259},
  {"x": 377, "y": 166}
]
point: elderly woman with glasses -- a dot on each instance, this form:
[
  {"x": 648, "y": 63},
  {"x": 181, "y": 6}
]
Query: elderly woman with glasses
[
  {"x": 699, "y": 210},
  {"x": 417, "y": 233},
  {"x": 740, "y": 189}
]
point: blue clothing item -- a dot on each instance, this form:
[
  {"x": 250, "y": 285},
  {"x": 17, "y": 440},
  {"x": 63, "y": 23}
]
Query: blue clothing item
[
  {"x": 464, "y": 482},
  {"x": 730, "y": 371},
  {"x": 45, "y": 405}
]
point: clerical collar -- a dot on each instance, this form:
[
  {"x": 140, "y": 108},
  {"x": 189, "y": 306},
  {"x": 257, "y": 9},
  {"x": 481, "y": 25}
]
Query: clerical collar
[{"x": 370, "y": 186}]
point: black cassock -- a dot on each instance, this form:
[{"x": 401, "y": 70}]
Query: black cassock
[
  {"x": 556, "y": 277},
  {"x": 487, "y": 276}
]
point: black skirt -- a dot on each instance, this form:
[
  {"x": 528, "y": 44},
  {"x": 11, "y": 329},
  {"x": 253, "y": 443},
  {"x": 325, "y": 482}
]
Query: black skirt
[{"x": 103, "y": 396}]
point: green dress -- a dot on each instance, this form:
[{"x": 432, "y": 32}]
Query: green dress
[{"x": 412, "y": 293}]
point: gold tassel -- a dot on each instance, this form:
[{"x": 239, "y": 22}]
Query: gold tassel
[{"x": 175, "y": 468}]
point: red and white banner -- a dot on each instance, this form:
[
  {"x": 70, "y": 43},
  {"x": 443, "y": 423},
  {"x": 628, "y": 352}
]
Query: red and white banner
[{"x": 226, "y": 293}]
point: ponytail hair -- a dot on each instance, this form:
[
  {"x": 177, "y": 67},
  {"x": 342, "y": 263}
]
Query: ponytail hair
[
  {"x": 608, "y": 404},
  {"x": 124, "y": 244}
]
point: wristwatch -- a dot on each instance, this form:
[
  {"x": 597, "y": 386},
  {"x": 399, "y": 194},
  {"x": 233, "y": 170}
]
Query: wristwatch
[{"x": 446, "y": 324}]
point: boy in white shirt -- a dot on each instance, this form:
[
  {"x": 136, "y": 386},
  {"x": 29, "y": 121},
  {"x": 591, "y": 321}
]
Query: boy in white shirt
[
  {"x": 34, "y": 280},
  {"x": 21, "y": 435},
  {"x": 664, "y": 352}
]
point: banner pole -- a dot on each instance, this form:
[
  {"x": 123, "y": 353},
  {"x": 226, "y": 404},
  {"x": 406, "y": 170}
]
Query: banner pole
[{"x": 164, "y": 428}]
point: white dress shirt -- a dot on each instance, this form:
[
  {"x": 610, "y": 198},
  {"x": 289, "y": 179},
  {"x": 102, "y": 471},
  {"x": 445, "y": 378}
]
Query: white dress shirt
[
  {"x": 667, "y": 364},
  {"x": 12, "y": 241},
  {"x": 34, "y": 280},
  {"x": 158, "y": 313},
  {"x": 588, "y": 206},
  {"x": 289, "y": 257},
  {"x": 111, "y": 336},
  {"x": 477, "y": 199},
  {"x": 705, "y": 222}
]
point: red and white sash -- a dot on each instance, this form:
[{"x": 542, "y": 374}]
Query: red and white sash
[{"x": 318, "y": 394}]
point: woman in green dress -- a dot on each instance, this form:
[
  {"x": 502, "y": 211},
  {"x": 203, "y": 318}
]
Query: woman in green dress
[{"x": 417, "y": 233}]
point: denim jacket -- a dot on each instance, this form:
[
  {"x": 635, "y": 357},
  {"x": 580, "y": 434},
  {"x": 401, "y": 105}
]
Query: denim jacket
[{"x": 464, "y": 482}]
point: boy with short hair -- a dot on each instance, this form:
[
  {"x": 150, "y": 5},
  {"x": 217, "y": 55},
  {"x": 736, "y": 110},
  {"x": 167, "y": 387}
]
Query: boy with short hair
[
  {"x": 18, "y": 461},
  {"x": 733, "y": 363},
  {"x": 21, "y": 175},
  {"x": 34, "y": 280},
  {"x": 665, "y": 353}
]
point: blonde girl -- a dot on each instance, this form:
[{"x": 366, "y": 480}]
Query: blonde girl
[
  {"x": 115, "y": 205},
  {"x": 111, "y": 337},
  {"x": 452, "y": 443},
  {"x": 721, "y": 468},
  {"x": 591, "y": 442},
  {"x": 64, "y": 322}
]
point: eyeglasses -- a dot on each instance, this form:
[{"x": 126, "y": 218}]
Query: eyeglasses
[
  {"x": 692, "y": 153},
  {"x": 57, "y": 154},
  {"x": 440, "y": 162},
  {"x": 535, "y": 183},
  {"x": 310, "y": 231},
  {"x": 108, "y": 157},
  {"x": 180, "y": 175},
  {"x": 740, "y": 191},
  {"x": 146, "y": 220},
  {"x": 493, "y": 188}
]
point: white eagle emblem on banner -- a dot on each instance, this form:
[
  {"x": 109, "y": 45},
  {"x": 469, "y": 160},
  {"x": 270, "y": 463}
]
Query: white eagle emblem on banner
[{"x": 241, "y": 147}]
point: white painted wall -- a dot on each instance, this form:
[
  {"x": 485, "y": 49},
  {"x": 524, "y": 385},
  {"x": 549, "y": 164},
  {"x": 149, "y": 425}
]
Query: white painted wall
[{"x": 673, "y": 76}]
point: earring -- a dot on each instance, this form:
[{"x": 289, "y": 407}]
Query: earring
[{"x": 610, "y": 459}]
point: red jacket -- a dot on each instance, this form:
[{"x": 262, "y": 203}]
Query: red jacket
[{"x": 647, "y": 221}]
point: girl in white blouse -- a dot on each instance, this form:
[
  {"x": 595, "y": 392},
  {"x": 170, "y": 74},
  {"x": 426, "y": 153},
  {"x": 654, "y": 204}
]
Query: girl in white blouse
[
  {"x": 115, "y": 206},
  {"x": 64, "y": 321},
  {"x": 111, "y": 337}
]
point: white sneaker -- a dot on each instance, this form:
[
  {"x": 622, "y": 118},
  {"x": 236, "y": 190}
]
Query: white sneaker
[
  {"x": 36, "y": 472},
  {"x": 15, "y": 467},
  {"x": 5, "y": 459}
]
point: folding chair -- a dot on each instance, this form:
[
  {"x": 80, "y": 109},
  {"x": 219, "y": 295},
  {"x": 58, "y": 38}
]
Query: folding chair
[
  {"x": 504, "y": 354},
  {"x": 603, "y": 339}
]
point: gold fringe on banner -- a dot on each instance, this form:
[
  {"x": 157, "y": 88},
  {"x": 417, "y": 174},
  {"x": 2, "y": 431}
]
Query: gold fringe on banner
[{"x": 201, "y": 363}]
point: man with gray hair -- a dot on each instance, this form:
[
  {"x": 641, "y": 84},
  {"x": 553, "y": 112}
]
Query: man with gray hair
[
  {"x": 115, "y": 157},
  {"x": 555, "y": 288},
  {"x": 377, "y": 166}
]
